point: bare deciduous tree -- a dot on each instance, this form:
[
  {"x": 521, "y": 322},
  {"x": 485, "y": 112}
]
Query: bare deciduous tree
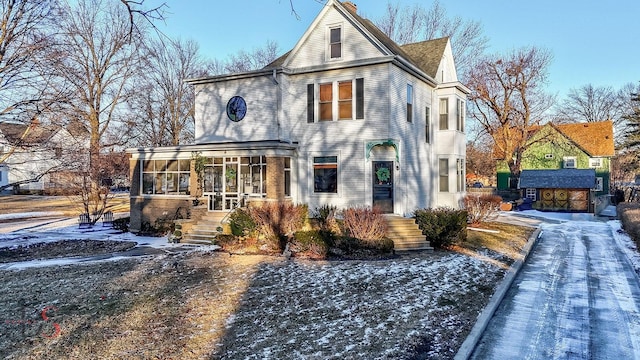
[
  {"x": 99, "y": 58},
  {"x": 415, "y": 23},
  {"x": 590, "y": 104},
  {"x": 252, "y": 60},
  {"x": 508, "y": 97},
  {"x": 24, "y": 53},
  {"x": 165, "y": 101}
]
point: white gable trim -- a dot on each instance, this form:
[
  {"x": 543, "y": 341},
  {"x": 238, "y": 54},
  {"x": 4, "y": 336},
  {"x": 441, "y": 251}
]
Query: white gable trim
[{"x": 345, "y": 13}]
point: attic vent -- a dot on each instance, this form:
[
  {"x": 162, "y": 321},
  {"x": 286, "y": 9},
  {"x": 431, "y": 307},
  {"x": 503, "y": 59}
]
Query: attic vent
[{"x": 548, "y": 156}]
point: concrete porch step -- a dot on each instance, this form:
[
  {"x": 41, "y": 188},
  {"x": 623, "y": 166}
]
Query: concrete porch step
[{"x": 406, "y": 234}]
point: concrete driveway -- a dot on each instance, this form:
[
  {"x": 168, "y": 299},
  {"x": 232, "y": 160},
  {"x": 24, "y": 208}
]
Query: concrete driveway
[{"x": 576, "y": 297}]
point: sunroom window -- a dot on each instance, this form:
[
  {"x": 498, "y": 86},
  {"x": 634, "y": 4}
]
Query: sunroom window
[{"x": 168, "y": 177}]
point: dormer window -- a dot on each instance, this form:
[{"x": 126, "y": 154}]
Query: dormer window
[{"x": 335, "y": 42}]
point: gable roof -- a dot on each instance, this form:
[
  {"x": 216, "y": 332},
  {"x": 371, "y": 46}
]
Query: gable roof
[
  {"x": 13, "y": 133},
  {"x": 595, "y": 138},
  {"x": 427, "y": 54},
  {"x": 558, "y": 179},
  {"x": 39, "y": 133},
  {"x": 424, "y": 55}
]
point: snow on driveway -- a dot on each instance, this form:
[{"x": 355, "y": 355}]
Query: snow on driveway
[{"x": 577, "y": 297}]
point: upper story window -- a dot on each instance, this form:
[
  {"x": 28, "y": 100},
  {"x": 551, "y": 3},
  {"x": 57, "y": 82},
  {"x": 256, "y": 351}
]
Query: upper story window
[
  {"x": 595, "y": 162},
  {"x": 335, "y": 42},
  {"x": 347, "y": 105},
  {"x": 409, "y": 103},
  {"x": 569, "y": 162},
  {"x": 326, "y": 102},
  {"x": 460, "y": 112},
  {"x": 427, "y": 126},
  {"x": 345, "y": 97},
  {"x": 444, "y": 114}
]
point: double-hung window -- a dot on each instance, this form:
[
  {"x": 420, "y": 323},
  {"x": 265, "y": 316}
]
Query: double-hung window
[
  {"x": 325, "y": 174},
  {"x": 337, "y": 100},
  {"x": 460, "y": 115},
  {"x": 444, "y": 114},
  {"x": 443, "y": 172},
  {"x": 409, "y": 103},
  {"x": 427, "y": 126},
  {"x": 345, "y": 97},
  {"x": 335, "y": 42},
  {"x": 460, "y": 175},
  {"x": 326, "y": 102}
]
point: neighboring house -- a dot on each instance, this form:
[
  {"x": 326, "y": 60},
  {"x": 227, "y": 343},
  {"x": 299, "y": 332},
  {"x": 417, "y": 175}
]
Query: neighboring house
[
  {"x": 565, "y": 166},
  {"x": 346, "y": 118},
  {"x": 39, "y": 155}
]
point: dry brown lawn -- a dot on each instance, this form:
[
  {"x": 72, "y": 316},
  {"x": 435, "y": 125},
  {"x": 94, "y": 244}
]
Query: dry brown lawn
[{"x": 67, "y": 205}]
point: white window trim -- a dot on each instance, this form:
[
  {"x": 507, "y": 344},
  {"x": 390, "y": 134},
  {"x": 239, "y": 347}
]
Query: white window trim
[
  {"x": 460, "y": 115},
  {"x": 335, "y": 93},
  {"x": 446, "y": 174},
  {"x": 328, "y": 42},
  {"x": 530, "y": 193},
  {"x": 312, "y": 191},
  {"x": 440, "y": 113},
  {"x": 595, "y": 163},
  {"x": 410, "y": 101},
  {"x": 567, "y": 159}
]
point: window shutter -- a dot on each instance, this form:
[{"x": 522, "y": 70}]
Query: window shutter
[
  {"x": 310, "y": 103},
  {"x": 360, "y": 98}
]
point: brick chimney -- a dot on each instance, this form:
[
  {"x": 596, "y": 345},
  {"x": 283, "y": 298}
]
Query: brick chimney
[{"x": 350, "y": 6}]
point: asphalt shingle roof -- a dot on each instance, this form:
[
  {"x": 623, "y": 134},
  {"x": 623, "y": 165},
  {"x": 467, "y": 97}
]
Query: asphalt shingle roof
[{"x": 558, "y": 179}]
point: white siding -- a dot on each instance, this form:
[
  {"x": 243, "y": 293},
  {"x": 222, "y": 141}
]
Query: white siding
[
  {"x": 260, "y": 122},
  {"x": 343, "y": 138},
  {"x": 278, "y": 110},
  {"x": 313, "y": 50}
]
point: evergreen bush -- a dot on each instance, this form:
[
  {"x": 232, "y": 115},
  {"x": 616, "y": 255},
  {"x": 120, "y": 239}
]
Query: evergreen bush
[{"x": 442, "y": 226}]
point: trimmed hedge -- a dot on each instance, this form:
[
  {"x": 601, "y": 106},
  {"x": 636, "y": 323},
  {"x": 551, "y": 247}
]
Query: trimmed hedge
[{"x": 442, "y": 226}]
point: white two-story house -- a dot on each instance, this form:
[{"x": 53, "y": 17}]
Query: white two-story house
[{"x": 346, "y": 118}]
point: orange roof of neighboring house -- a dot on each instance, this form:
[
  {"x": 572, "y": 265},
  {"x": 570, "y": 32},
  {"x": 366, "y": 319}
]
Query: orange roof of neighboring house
[{"x": 595, "y": 138}]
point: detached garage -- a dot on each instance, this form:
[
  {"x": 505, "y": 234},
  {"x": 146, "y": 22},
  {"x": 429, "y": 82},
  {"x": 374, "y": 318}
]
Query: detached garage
[{"x": 559, "y": 190}]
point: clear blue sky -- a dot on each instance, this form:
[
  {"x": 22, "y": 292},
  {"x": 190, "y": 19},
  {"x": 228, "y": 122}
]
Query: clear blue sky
[{"x": 592, "y": 42}]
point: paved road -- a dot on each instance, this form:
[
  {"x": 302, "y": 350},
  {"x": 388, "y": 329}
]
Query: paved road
[{"x": 577, "y": 297}]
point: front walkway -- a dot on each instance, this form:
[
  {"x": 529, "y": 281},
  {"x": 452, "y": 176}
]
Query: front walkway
[{"x": 577, "y": 297}]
